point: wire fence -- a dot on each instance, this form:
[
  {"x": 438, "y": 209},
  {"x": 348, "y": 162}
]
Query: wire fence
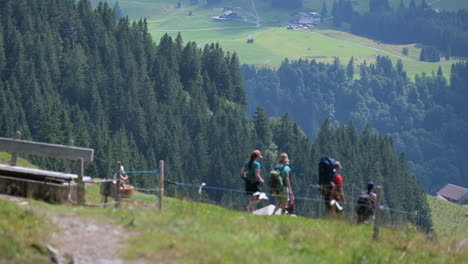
[
  {"x": 318, "y": 199},
  {"x": 202, "y": 188}
]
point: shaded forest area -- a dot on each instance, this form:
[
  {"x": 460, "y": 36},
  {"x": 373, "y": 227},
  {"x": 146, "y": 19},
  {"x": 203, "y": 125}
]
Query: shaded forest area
[
  {"x": 426, "y": 118},
  {"x": 71, "y": 72},
  {"x": 447, "y": 31}
]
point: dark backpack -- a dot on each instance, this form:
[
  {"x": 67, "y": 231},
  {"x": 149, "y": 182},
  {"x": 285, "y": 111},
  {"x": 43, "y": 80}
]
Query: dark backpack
[
  {"x": 326, "y": 172},
  {"x": 276, "y": 181},
  {"x": 364, "y": 204}
]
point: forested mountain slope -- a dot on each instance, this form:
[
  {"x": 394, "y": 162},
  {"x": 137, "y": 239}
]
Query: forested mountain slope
[
  {"x": 71, "y": 72},
  {"x": 427, "y": 117}
]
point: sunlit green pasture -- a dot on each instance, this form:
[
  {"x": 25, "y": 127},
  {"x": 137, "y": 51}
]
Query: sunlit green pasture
[
  {"x": 191, "y": 232},
  {"x": 272, "y": 44},
  {"x": 449, "y": 219}
]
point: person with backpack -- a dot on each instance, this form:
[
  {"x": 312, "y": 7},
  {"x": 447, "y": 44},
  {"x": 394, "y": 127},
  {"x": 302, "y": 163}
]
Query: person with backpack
[
  {"x": 338, "y": 192},
  {"x": 365, "y": 205},
  {"x": 253, "y": 180},
  {"x": 280, "y": 184},
  {"x": 331, "y": 186}
]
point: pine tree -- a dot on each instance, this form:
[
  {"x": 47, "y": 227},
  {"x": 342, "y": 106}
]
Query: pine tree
[
  {"x": 350, "y": 69},
  {"x": 324, "y": 11},
  {"x": 262, "y": 127},
  {"x": 118, "y": 10}
]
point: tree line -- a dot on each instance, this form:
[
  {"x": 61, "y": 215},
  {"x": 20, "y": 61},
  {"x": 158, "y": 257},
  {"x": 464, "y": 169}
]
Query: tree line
[
  {"x": 291, "y": 4},
  {"x": 69, "y": 71},
  {"x": 425, "y": 117},
  {"x": 444, "y": 30}
]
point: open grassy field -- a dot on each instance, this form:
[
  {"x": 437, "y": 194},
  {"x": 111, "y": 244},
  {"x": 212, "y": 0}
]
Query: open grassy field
[
  {"x": 190, "y": 232},
  {"x": 272, "y": 43},
  {"x": 449, "y": 218}
]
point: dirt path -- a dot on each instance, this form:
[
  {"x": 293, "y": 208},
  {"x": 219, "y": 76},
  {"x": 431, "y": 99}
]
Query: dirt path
[
  {"x": 85, "y": 241},
  {"x": 254, "y": 10},
  {"x": 79, "y": 240}
]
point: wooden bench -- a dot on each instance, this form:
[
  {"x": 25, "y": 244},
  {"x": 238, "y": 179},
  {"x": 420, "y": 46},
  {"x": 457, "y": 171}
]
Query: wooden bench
[{"x": 67, "y": 153}]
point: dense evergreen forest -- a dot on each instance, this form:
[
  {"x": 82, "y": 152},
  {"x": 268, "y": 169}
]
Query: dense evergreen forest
[
  {"x": 444, "y": 30},
  {"x": 426, "y": 117},
  {"x": 274, "y": 3},
  {"x": 71, "y": 72}
]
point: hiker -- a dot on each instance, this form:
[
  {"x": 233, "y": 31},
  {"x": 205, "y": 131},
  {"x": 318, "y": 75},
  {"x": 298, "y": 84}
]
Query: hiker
[
  {"x": 335, "y": 201},
  {"x": 365, "y": 206},
  {"x": 283, "y": 191},
  {"x": 253, "y": 181}
]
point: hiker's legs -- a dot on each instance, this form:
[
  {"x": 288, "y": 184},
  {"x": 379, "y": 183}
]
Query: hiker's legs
[
  {"x": 339, "y": 213},
  {"x": 281, "y": 201},
  {"x": 328, "y": 208},
  {"x": 275, "y": 194},
  {"x": 283, "y": 207},
  {"x": 252, "y": 203}
]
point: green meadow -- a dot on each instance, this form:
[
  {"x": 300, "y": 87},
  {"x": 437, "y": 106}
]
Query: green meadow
[
  {"x": 191, "y": 232},
  {"x": 449, "y": 219},
  {"x": 272, "y": 42}
]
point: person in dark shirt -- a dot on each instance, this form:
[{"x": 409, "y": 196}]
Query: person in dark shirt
[{"x": 253, "y": 180}]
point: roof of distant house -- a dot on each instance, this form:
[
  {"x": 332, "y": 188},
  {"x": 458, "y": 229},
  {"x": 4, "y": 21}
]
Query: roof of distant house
[{"x": 453, "y": 192}]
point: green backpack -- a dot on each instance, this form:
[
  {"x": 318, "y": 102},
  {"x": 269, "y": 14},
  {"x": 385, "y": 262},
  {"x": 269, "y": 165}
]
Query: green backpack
[{"x": 276, "y": 181}]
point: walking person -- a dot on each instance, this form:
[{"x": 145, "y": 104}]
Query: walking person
[
  {"x": 365, "y": 206},
  {"x": 283, "y": 192},
  {"x": 338, "y": 191},
  {"x": 335, "y": 200},
  {"x": 253, "y": 180}
]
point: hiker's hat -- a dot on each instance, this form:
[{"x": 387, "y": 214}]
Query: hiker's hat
[
  {"x": 370, "y": 184},
  {"x": 258, "y": 153},
  {"x": 338, "y": 165}
]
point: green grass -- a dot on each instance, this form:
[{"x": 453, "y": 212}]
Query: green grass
[
  {"x": 449, "y": 220},
  {"x": 272, "y": 43},
  {"x": 190, "y": 232},
  {"x": 22, "y": 235},
  {"x": 5, "y": 158}
]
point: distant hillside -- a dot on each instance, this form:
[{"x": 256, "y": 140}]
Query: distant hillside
[
  {"x": 450, "y": 221},
  {"x": 271, "y": 45},
  {"x": 85, "y": 75},
  {"x": 425, "y": 117}
]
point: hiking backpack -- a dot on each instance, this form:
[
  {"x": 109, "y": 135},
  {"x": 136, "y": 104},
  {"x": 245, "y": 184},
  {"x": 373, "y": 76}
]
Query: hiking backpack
[
  {"x": 276, "y": 181},
  {"x": 364, "y": 204},
  {"x": 326, "y": 172}
]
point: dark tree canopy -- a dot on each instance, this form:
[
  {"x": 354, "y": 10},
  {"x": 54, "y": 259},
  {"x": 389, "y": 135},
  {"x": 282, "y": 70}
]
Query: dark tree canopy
[{"x": 68, "y": 71}]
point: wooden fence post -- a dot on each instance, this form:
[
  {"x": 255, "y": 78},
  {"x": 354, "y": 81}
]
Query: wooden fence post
[
  {"x": 80, "y": 185},
  {"x": 67, "y": 161},
  {"x": 161, "y": 184},
  {"x": 107, "y": 185},
  {"x": 14, "y": 155},
  {"x": 377, "y": 214},
  {"x": 119, "y": 173}
]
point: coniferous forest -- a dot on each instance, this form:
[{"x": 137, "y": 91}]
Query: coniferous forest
[
  {"x": 69, "y": 71},
  {"x": 426, "y": 117},
  {"x": 444, "y": 30}
]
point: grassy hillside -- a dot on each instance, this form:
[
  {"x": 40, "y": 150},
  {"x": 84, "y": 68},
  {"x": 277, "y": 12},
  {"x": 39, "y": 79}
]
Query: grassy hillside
[
  {"x": 5, "y": 158},
  {"x": 22, "y": 235},
  {"x": 189, "y": 232},
  {"x": 272, "y": 44},
  {"x": 448, "y": 218}
]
